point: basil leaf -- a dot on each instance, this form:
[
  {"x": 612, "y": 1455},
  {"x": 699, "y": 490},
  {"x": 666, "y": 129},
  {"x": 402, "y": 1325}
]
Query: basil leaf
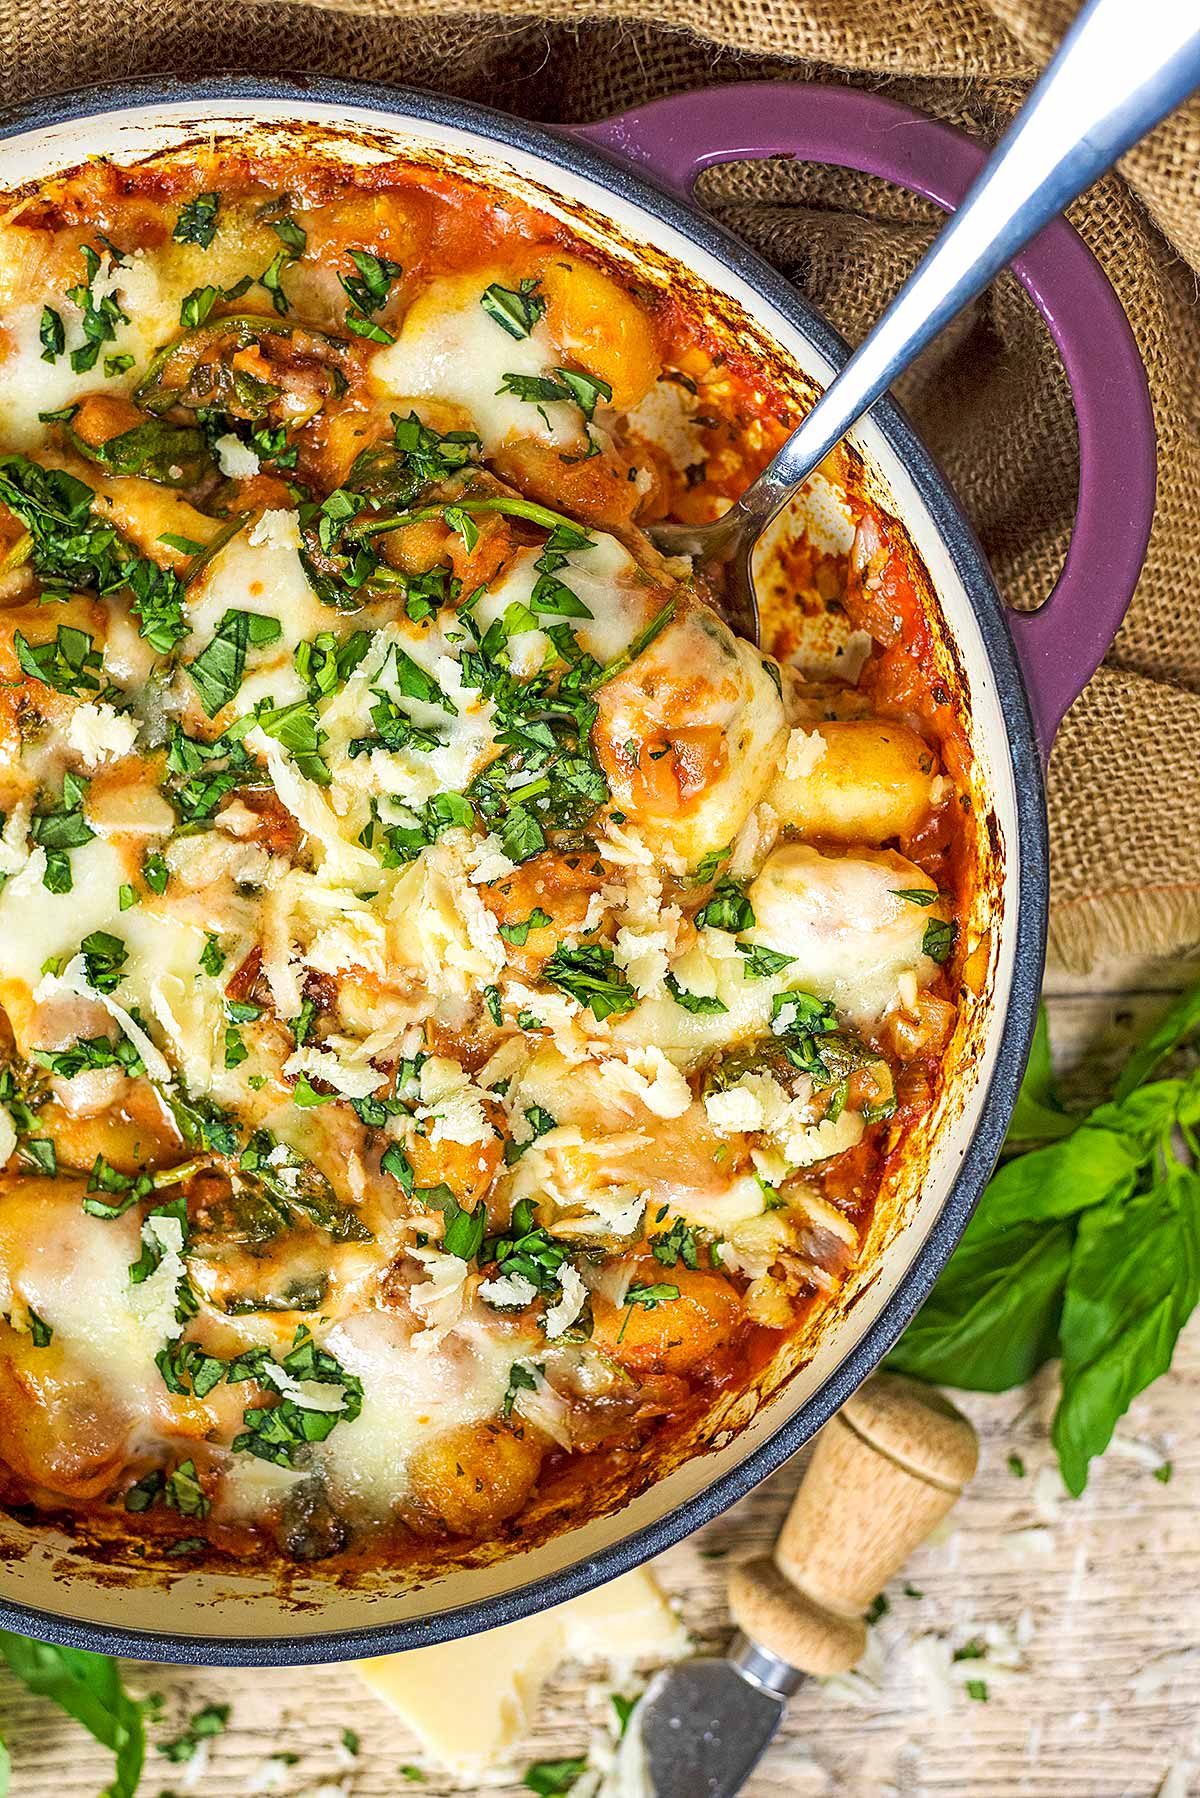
[
  {"x": 171, "y": 455},
  {"x": 992, "y": 1319},
  {"x": 551, "y": 1779},
  {"x": 518, "y": 934},
  {"x": 521, "y": 836},
  {"x": 1181, "y": 1022},
  {"x": 939, "y": 939},
  {"x": 536, "y": 390},
  {"x": 271, "y": 280},
  {"x": 1037, "y": 1115},
  {"x": 415, "y": 683},
  {"x": 52, "y": 334},
  {"x": 195, "y": 307},
  {"x": 87, "y": 1687},
  {"x": 589, "y": 975},
  {"x": 69, "y": 662},
  {"x": 516, "y": 312},
  {"x": 217, "y": 671},
  {"x": 197, "y": 221},
  {"x": 1067, "y": 1177},
  {"x": 585, "y": 390},
  {"x": 706, "y": 868},
  {"x": 366, "y": 327},
  {"x": 702, "y": 1004},
  {"x": 728, "y": 909},
  {"x": 763, "y": 963},
  {"x": 1134, "y": 1281},
  {"x": 376, "y": 275},
  {"x": 292, "y": 236},
  {"x": 104, "y": 958}
]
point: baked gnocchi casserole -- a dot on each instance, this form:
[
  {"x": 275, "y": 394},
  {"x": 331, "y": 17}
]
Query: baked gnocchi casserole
[{"x": 459, "y": 1001}]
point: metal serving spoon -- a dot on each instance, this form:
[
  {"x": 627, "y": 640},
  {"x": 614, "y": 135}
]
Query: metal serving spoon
[{"x": 1122, "y": 67}]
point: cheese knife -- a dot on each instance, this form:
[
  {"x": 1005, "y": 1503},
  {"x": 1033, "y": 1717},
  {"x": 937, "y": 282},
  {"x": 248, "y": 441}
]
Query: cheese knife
[{"x": 885, "y": 1471}]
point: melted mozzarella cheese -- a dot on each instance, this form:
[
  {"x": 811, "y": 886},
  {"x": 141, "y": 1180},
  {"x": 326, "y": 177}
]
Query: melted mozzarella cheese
[
  {"x": 852, "y": 937},
  {"x": 407, "y": 1397},
  {"x": 696, "y": 679},
  {"x": 73, "y": 1270},
  {"x": 449, "y": 349},
  {"x": 29, "y": 384},
  {"x": 259, "y": 571}
]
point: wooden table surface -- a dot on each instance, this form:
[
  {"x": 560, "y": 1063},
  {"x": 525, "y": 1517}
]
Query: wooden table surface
[{"x": 1088, "y": 1612}]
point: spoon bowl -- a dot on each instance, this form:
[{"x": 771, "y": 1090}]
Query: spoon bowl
[{"x": 1121, "y": 68}]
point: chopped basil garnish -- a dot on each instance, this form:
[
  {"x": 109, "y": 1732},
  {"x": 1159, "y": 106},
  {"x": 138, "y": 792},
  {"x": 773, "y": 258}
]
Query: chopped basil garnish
[
  {"x": 197, "y": 221},
  {"x": 728, "y": 909},
  {"x": 515, "y": 311},
  {"x": 704, "y": 1004},
  {"x": 939, "y": 939}
]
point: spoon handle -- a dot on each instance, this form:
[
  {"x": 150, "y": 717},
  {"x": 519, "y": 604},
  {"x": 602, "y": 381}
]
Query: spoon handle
[{"x": 1122, "y": 66}]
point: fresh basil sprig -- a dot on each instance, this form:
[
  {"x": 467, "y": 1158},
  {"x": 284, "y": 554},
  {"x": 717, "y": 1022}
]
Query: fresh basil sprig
[
  {"x": 1086, "y": 1248},
  {"x": 88, "y": 1687}
]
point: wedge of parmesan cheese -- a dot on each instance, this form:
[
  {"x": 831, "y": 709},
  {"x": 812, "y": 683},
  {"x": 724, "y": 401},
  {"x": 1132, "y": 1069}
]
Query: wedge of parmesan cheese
[{"x": 505, "y": 1669}]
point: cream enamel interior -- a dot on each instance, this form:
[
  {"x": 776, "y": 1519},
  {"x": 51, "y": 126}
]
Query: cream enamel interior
[{"x": 42, "y": 1571}]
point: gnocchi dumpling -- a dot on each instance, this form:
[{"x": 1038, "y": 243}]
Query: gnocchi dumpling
[
  {"x": 859, "y": 780},
  {"x": 848, "y": 923},
  {"x": 689, "y": 735}
]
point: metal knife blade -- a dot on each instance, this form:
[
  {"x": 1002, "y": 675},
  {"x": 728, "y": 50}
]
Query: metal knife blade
[{"x": 705, "y": 1723}]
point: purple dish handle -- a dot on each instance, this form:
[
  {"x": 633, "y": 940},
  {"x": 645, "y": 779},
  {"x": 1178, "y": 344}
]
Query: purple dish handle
[{"x": 1061, "y": 645}]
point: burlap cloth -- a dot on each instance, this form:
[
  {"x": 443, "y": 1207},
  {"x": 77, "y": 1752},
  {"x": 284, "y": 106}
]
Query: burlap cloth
[{"x": 990, "y": 398}]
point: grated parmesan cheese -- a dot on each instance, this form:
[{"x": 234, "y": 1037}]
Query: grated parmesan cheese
[
  {"x": 98, "y": 733},
  {"x": 508, "y": 1292},
  {"x": 353, "y": 1082},
  {"x": 564, "y": 1311},
  {"x": 801, "y": 753},
  {"x": 237, "y": 461}
]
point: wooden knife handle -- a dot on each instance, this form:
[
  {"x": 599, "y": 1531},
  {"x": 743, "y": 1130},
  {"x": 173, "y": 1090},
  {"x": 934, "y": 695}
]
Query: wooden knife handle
[{"x": 884, "y": 1473}]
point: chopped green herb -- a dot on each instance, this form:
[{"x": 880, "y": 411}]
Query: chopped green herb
[
  {"x": 104, "y": 958},
  {"x": 212, "y": 956},
  {"x": 280, "y": 1432},
  {"x": 69, "y": 662},
  {"x": 515, "y": 311},
  {"x": 216, "y": 673},
  {"x": 518, "y": 934},
  {"x": 705, "y": 1004},
  {"x": 53, "y": 335},
  {"x": 550, "y": 1779},
  {"x": 155, "y": 871},
  {"x": 762, "y": 963},
  {"x": 520, "y": 1379},
  {"x": 728, "y": 909},
  {"x": 184, "y": 1493},
  {"x": 939, "y": 938},
  {"x": 90, "y": 1052},
  {"x": 197, "y": 221},
  {"x": 589, "y": 975},
  {"x": 707, "y": 867}
]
